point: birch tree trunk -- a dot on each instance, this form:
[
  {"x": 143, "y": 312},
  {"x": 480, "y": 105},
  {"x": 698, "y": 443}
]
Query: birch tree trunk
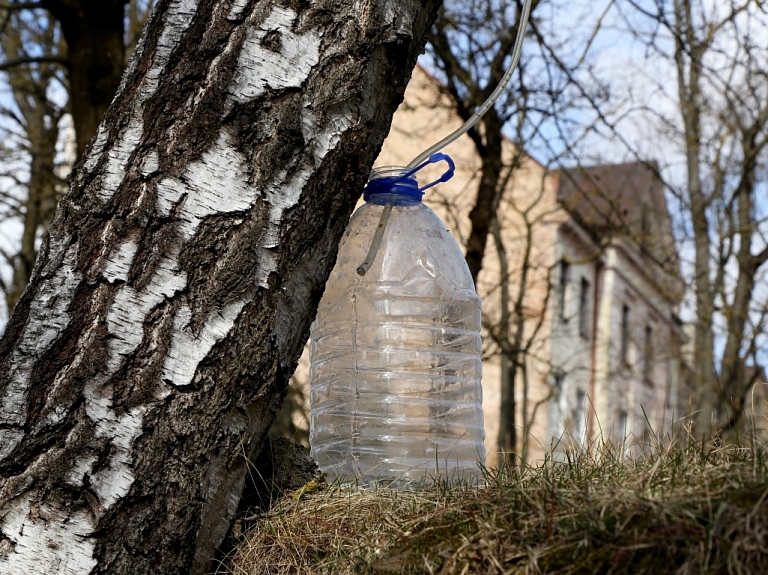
[{"x": 173, "y": 295}]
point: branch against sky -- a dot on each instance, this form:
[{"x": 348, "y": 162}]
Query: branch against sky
[
  {"x": 717, "y": 130},
  {"x": 32, "y": 163},
  {"x": 470, "y": 47}
]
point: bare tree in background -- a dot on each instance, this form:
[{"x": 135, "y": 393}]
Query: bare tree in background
[
  {"x": 45, "y": 79},
  {"x": 471, "y": 45},
  {"x": 94, "y": 31},
  {"x": 719, "y": 54},
  {"x": 31, "y": 162},
  {"x": 524, "y": 292},
  {"x": 472, "y": 42}
]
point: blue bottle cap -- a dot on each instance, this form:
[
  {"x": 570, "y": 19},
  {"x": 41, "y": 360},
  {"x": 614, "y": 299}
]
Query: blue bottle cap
[
  {"x": 401, "y": 181},
  {"x": 401, "y": 185}
]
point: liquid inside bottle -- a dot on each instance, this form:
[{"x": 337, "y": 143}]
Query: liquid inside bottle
[{"x": 395, "y": 355}]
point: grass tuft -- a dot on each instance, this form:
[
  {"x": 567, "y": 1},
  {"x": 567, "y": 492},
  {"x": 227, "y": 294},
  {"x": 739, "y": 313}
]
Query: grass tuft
[{"x": 678, "y": 510}]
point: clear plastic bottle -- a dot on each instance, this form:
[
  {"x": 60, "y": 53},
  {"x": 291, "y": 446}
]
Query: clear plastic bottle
[{"x": 396, "y": 354}]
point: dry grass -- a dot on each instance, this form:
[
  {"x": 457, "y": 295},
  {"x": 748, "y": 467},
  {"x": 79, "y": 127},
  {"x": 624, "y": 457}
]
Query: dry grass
[{"x": 676, "y": 511}]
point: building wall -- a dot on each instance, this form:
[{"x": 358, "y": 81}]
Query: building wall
[
  {"x": 637, "y": 353},
  {"x": 573, "y": 333}
]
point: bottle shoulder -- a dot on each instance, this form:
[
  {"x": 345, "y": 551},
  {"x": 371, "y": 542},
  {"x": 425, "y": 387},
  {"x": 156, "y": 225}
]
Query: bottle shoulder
[
  {"x": 409, "y": 214},
  {"x": 416, "y": 245}
]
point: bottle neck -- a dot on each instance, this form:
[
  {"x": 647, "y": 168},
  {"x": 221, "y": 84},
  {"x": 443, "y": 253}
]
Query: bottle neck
[
  {"x": 396, "y": 199},
  {"x": 392, "y": 183}
]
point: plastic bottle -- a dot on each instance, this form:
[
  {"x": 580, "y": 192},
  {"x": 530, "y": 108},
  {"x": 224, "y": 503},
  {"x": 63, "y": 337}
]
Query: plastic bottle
[{"x": 395, "y": 354}]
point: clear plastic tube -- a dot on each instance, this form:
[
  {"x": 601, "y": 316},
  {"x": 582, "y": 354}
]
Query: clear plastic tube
[
  {"x": 480, "y": 112},
  {"x": 362, "y": 269}
]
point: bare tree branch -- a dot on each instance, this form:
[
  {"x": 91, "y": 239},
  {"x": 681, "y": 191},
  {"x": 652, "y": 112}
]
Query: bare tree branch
[
  {"x": 4, "y": 66},
  {"x": 22, "y": 6}
]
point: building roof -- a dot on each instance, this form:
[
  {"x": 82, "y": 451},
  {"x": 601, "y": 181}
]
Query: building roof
[{"x": 623, "y": 200}]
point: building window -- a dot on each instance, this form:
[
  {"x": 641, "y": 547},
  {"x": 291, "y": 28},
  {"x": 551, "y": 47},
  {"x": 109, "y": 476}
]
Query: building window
[
  {"x": 579, "y": 417},
  {"x": 584, "y": 308},
  {"x": 626, "y": 329},
  {"x": 562, "y": 292},
  {"x": 648, "y": 355},
  {"x": 559, "y": 403},
  {"x": 623, "y": 426},
  {"x": 645, "y": 229},
  {"x": 559, "y": 379},
  {"x": 647, "y": 441}
]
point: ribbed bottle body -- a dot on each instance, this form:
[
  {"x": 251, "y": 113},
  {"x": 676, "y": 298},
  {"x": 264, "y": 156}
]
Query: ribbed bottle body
[{"x": 395, "y": 356}]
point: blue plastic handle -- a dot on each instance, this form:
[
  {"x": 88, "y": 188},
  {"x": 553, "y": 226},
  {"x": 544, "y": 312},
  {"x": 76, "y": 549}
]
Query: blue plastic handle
[
  {"x": 433, "y": 159},
  {"x": 447, "y": 175}
]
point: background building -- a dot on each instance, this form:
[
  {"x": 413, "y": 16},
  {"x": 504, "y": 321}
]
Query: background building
[
  {"x": 580, "y": 289},
  {"x": 616, "y": 337}
]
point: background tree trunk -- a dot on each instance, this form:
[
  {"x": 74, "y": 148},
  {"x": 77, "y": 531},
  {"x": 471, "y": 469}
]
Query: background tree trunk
[
  {"x": 173, "y": 295},
  {"x": 38, "y": 119},
  {"x": 94, "y": 31},
  {"x": 719, "y": 399}
]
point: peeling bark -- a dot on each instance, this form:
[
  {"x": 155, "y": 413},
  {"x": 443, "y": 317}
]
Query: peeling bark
[{"x": 173, "y": 295}]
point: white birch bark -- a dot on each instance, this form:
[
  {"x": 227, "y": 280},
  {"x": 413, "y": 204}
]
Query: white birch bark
[{"x": 174, "y": 293}]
